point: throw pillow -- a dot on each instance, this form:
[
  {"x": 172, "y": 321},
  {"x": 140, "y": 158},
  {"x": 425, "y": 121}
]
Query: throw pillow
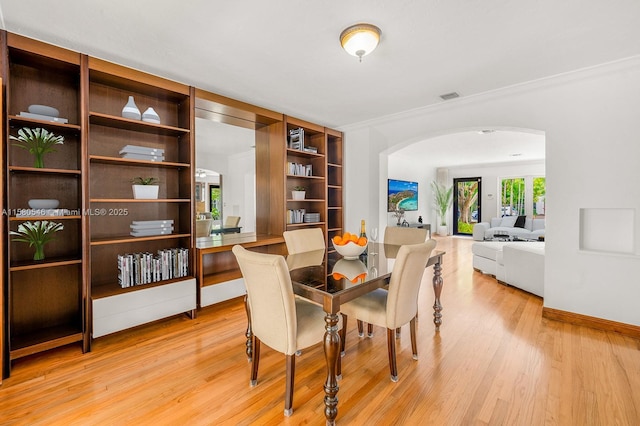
[
  {"x": 508, "y": 221},
  {"x": 520, "y": 222}
]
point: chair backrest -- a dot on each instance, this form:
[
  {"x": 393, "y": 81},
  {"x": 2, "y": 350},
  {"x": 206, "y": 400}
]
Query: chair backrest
[
  {"x": 302, "y": 240},
  {"x": 406, "y": 276},
  {"x": 400, "y": 235},
  {"x": 271, "y": 300},
  {"x": 203, "y": 227},
  {"x": 231, "y": 221}
]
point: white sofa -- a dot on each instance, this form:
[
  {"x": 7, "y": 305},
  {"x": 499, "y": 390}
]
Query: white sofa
[
  {"x": 532, "y": 228},
  {"x": 518, "y": 264}
]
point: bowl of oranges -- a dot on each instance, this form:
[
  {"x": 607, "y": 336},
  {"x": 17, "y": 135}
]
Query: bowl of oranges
[{"x": 350, "y": 246}]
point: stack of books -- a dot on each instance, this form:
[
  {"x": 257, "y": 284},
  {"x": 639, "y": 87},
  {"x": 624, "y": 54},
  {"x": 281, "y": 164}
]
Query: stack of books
[
  {"x": 296, "y": 138},
  {"x": 142, "y": 153},
  {"x": 311, "y": 217},
  {"x": 296, "y": 169},
  {"x": 146, "y": 228}
]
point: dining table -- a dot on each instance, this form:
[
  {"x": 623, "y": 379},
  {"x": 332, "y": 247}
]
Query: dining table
[{"x": 328, "y": 279}]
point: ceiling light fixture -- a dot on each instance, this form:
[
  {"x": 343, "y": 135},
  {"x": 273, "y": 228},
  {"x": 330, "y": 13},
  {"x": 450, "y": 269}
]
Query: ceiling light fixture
[{"x": 360, "y": 39}]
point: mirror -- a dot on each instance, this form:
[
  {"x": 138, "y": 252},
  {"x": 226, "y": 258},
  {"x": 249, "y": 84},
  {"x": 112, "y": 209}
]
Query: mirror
[{"x": 225, "y": 173}]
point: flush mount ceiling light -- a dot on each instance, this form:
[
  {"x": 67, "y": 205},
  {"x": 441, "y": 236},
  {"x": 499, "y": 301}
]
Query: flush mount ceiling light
[{"x": 360, "y": 39}]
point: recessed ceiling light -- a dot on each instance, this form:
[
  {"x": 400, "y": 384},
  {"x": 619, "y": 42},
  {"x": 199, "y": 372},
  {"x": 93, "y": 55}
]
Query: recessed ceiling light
[
  {"x": 486, "y": 131},
  {"x": 516, "y": 155}
]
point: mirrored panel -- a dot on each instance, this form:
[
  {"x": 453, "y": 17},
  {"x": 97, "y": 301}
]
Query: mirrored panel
[{"x": 225, "y": 175}]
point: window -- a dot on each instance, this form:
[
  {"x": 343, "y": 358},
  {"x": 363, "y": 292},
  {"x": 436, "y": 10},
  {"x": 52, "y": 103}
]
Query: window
[{"x": 523, "y": 196}]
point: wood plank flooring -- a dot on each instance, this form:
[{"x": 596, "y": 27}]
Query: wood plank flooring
[{"x": 495, "y": 361}]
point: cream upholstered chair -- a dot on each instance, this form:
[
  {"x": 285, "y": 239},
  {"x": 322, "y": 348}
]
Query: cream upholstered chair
[
  {"x": 231, "y": 222},
  {"x": 303, "y": 240},
  {"x": 397, "y": 306},
  {"x": 400, "y": 235},
  {"x": 278, "y": 319},
  {"x": 203, "y": 227}
]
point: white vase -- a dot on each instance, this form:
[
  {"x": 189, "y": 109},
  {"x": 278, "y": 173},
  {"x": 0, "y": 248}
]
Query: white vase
[
  {"x": 145, "y": 192},
  {"x": 443, "y": 230},
  {"x": 150, "y": 116},
  {"x": 298, "y": 195},
  {"x": 131, "y": 110}
]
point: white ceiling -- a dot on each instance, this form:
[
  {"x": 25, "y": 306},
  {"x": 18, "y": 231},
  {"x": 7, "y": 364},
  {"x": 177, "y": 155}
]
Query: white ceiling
[{"x": 285, "y": 55}]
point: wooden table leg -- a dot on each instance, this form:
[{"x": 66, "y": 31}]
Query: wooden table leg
[
  {"x": 437, "y": 289},
  {"x": 331, "y": 353},
  {"x": 249, "y": 333}
]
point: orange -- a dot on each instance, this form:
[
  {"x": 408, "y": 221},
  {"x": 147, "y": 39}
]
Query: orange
[
  {"x": 346, "y": 237},
  {"x": 362, "y": 241},
  {"x": 354, "y": 238},
  {"x": 337, "y": 276},
  {"x": 337, "y": 240}
]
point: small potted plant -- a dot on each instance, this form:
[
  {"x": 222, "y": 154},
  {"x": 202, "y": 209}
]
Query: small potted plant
[
  {"x": 37, "y": 234},
  {"x": 145, "y": 188},
  {"x": 298, "y": 192},
  {"x": 38, "y": 142}
]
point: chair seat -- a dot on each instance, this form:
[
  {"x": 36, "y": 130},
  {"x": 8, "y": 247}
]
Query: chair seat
[
  {"x": 310, "y": 319},
  {"x": 370, "y": 308}
]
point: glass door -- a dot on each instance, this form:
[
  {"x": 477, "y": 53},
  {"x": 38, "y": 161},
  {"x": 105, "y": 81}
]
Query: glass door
[{"x": 467, "y": 193}]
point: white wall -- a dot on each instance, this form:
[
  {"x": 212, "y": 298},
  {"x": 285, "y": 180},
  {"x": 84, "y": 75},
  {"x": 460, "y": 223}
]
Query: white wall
[{"x": 592, "y": 161}]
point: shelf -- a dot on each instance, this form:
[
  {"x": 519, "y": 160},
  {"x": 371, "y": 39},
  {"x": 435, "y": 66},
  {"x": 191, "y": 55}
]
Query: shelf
[
  {"x": 47, "y": 263},
  {"x": 15, "y": 119},
  {"x": 130, "y": 239},
  {"x": 300, "y": 153},
  {"x": 23, "y": 169},
  {"x": 305, "y": 177},
  {"x": 300, "y": 225},
  {"x": 25, "y": 218},
  {"x": 44, "y": 339},
  {"x": 135, "y": 125},
  {"x": 221, "y": 276},
  {"x": 138, "y": 200},
  {"x": 131, "y": 162},
  {"x": 305, "y": 200},
  {"x": 334, "y": 208},
  {"x": 113, "y": 288},
  {"x": 334, "y": 165}
]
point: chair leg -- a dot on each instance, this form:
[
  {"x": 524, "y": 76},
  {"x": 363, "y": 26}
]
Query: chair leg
[
  {"x": 360, "y": 329},
  {"x": 391, "y": 345},
  {"x": 343, "y": 334},
  {"x": 414, "y": 343},
  {"x": 288, "y": 396},
  {"x": 370, "y": 330},
  {"x": 255, "y": 360}
]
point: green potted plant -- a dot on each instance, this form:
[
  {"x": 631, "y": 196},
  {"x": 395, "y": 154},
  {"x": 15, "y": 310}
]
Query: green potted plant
[
  {"x": 38, "y": 142},
  {"x": 37, "y": 234},
  {"x": 442, "y": 198},
  {"x": 145, "y": 188},
  {"x": 298, "y": 192}
]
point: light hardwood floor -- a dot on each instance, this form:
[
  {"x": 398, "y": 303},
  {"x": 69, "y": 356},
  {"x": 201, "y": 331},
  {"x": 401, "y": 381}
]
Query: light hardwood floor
[{"x": 495, "y": 361}]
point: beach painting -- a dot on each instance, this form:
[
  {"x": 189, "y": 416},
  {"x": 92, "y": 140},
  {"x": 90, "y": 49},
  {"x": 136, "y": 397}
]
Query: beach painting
[{"x": 402, "y": 194}]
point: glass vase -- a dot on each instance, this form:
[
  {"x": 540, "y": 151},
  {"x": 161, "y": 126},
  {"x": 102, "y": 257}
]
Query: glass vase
[{"x": 39, "y": 254}]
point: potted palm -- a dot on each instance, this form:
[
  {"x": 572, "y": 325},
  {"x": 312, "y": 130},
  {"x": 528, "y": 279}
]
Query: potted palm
[
  {"x": 38, "y": 142},
  {"x": 37, "y": 234},
  {"x": 442, "y": 198},
  {"x": 145, "y": 188},
  {"x": 298, "y": 192}
]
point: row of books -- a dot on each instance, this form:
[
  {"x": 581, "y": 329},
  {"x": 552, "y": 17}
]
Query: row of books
[
  {"x": 297, "y": 169},
  {"x": 144, "y": 268},
  {"x": 142, "y": 153},
  {"x": 295, "y": 215},
  {"x": 146, "y": 228}
]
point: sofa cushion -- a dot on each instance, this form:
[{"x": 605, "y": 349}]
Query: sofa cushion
[
  {"x": 537, "y": 224},
  {"x": 487, "y": 249},
  {"x": 508, "y": 221},
  {"x": 495, "y": 222}
]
